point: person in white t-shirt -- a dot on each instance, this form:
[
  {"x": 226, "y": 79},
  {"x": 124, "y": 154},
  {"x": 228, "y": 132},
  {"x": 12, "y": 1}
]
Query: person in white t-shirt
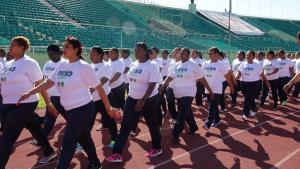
[
  {"x": 125, "y": 58},
  {"x": 286, "y": 72},
  {"x": 271, "y": 71},
  {"x": 196, "y": 57},
  {"x": 249, "y": 73},
  {"x": 165, "y": 62},
  {"x": 296, "y": 90},
  {"x": 259, "y": 58},
  {"x": 103, "y": 72},
  {"x": 143, "y": 100},
  {"x": 169, "y": 90},
  {"x": 162, "y": 101},
  {"x": 73, "y": 80},
  {"x": 2, "y": 56},
  {"x": 215, "y": 72},
  {"x": 20, "y": 75},
  {"x": 185, "y": 74},
  {"x": 240, "y": 58},
  {"x": 116, "y": 82}
]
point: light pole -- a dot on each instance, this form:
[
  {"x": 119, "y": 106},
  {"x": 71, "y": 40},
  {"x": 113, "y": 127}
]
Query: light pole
[{"x": 229, "y": 27}]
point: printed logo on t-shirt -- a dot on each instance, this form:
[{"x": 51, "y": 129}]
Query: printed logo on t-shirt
[
  {"x": 134, "y": 73},
  {"x": 49, "y": 69},
  {"x": 208, "y": 71},
  {"x": 179, "y": 72},
  {"x": 96, "y": 69},
  {"x": 247, "y": 70},
  {"x": 282, "y": 64},
  {"x": 5, "y": 72},
  {"x": 268, "y": 67},
  {"x": 63, "y": 75}
]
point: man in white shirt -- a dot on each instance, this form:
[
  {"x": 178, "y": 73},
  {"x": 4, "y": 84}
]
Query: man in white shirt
[
  {"x": 117, "y": 81},
  {"x": 286, "y": 71},
  {"x": 240, "y": 58},
  {"x": 260, "y": 58},
  {"x": 125, "y": 58}
]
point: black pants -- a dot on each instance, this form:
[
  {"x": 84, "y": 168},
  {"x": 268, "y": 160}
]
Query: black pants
[
  {"x": 127, "y": 88},
  {"x": 1, "y": 99},
  {"x": 222, "y": 97},
  {"x": 171, "y": 103},
  {"x": 274, "y": 89},
  {"x": 199, "y": 94},
  {"x": 131, "y": 117},
  {"x": 260, "y": 84},
  {"x": 80, "y": 121},
  {"x": 237, "y": 88},
  {"x": 119, "y": 96},
  {"x": 50, "y": 120},
  {"x": 185, "y": 115},
  {"x": 213, "y": 112},
  {"x": 162, "y": 99},
  {"x": 296, "y": 90},
  {"x": 14, "y": 120},
  {"x": 282, "y": 82},
  {"x": 111, "y": 123},
  {"x": 249, "y": 90}
]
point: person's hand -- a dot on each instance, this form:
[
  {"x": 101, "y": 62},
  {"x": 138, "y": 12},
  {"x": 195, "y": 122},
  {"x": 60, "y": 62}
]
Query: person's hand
[
  {"x": 287, "y": 87},
  {"x": 52, "y": 110},
  {"x": 231, "y": 89},
  {"x": 139, "y": 105},
  {"x": 114, "y": 113},
  {"x": 23, "y": 97}
]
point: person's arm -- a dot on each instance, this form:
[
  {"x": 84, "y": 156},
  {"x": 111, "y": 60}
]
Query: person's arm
[
  {"x": 228, "y": 78},
  {"x": 166, "y": 82},
  {"x": 291, "y": 71},
  {"x": 140, "y": 103},
  {"x": 272, "y": 73},
  {"x": 103, "y": 80},
  {"x": 206, "y": 85},
  {"x": 115, "y": 78},
  {"x": 295, "y": 79},
  {"x": 126, "y": 70},
  {"x": 264, "y": 78},
  {"x": 238, "y": 75}
]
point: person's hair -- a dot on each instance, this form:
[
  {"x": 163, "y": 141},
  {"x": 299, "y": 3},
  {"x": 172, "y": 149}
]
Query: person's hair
[
  {"x": 2, "y": 51},
  {"x": 76, "y": 44},
  {"x": 126, "y": 51},
  {"x": 252, "y": 52},
  {"x": 98, "y": 50},
  {"x": 106, "y": 52},
  {"x": 261, "y": 53},
  {"x": 187, "y": 50},
  {"x": 165, "y": 51},
  {"x": 214, "y": 49},
  {"x": 297, "y": 53},
  {"x": 200, "y": 54},
  {"x": 116, "y": 50},
  {"x": 144, "y": 46},
  {"x": 177, "y": 48},
  {"x": 54, "y": 48},
  {"x": 298, "y": 35},
  {"x": 243, "y": 53},
  {"x": 222, "y": 54},
  {"x": 271, "y": 52},
  {"x": 22, "y": 41},
  {"x": 282, "y": 52},
  {"x": 155, "y": 49}
]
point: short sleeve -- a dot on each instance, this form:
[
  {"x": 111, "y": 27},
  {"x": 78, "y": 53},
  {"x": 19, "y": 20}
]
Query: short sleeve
[
  {"x": 1, "y": 67},
  {"x": 153, "y": 74},
  {"x": 224, "y": 68},
  {"x": 198, "y": 72},
  {"x": 291, "y": 64},
  {"x": 107, "y": 72},
  {"x": 89, "y": 76},
  {"x": 260, "y": 69},
  {"x": 119, "y": 67},
  {"x": 276, "y": 65},
  {"x": 34, "y": 72},
  {"x": 240, "y": 68}
]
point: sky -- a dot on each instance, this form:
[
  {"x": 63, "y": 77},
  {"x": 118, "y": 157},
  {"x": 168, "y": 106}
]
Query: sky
[{"x": 284, "y": 9}]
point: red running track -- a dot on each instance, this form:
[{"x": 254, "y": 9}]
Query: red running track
[{"x": 269, "y": 141}]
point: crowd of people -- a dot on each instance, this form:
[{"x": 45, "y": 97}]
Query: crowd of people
[{"x": 123, "y": 90}]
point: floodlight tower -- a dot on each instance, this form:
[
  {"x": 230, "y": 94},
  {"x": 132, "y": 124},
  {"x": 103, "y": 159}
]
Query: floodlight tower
[{"x": 229, "y": 20}]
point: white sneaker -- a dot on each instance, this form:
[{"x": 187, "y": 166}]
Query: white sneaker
[
  {"x": 172, "y": 121},
  {"x": 45, "y": 160},
  {"x": 245, "y": 118},
  {"x": 252, "y": 113}
]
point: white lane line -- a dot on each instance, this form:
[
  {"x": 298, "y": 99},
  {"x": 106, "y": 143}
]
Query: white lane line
[
  {"x": 285, "y": 159},
  {"x": 218, "y": 140}
]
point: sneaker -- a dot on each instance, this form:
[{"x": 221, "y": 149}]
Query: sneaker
[
  {"x": 35, "y": 143},
  {"x": 154, "y": 152},
  {"x": 191, "y": 132},
  {"x": 79, "y": 149},
  {"x": 172, "y": 121},
  {"x": 284, "y": 103},
  {"x": 275, "y": 108},
  {"x": 45, "y": 160},
  {"x": 252, "y": 113},
  {"x": 101, "y": 128},
  {"x": 175, "y": 140},
  {"x": 94, "y": 166},
  {"x": 115, "y": 158},
  {"x": 112, "y": 144},
  {"x": 215, "y": 124},
  {"x": 205, "y": 127},
  {"x": 244, "y": 117},
  {"x": 222, "y": 110}
]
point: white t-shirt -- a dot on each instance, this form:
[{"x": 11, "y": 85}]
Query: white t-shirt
[
  {"x": 1, "y": 67},
  {"x": 250, "y": 72},
  {"x": 214, "y": 74},
  {"x": 269, "y": 66},
  {"x": 73, "y": 81},
  {"x": 297, "y": 66},
  {"x": 261, "y": 62},
  {"x": 198, "y": 60},
  {"x": 171, "y": 67},
  {"x": 117, "y": 66},
  {"x": 294, "y": 61},
  {"x": 284, "y": 67},
  {"x": 48, "y": 71},
  {"x": 165, "y": 67},
  {"x": 17, "y": 78},
  {"x": 184, "y": 76},
  {"x": 102, "y": 70},
  {"x": 2, "y": 61},
  {"x": 127, "y": 62},
  {"x": 235, "y": 65},
  {"x": 227, "y": 65},
  {"x": 139, "y": 76},
  {"x": 157, "y": 62}
]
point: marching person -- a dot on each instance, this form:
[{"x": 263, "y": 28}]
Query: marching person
[
  {"x": 235, "y": 65},
  {"x": 125, "y": 58},
  {"x": 19, "y": 76},
  {"x": 185, "y": 75},
  {"x": 73, "y": 81},
  {"x": 143, "y": 99},
  {"x": 215, "y": 72},
  {"x": 249, "y": 73}
]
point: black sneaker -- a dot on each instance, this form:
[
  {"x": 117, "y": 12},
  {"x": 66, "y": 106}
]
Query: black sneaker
[
  {"x": 175, "y": 140},
  {"x": 94, "y": 166},
  {"x": 193, "y": 131}
]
